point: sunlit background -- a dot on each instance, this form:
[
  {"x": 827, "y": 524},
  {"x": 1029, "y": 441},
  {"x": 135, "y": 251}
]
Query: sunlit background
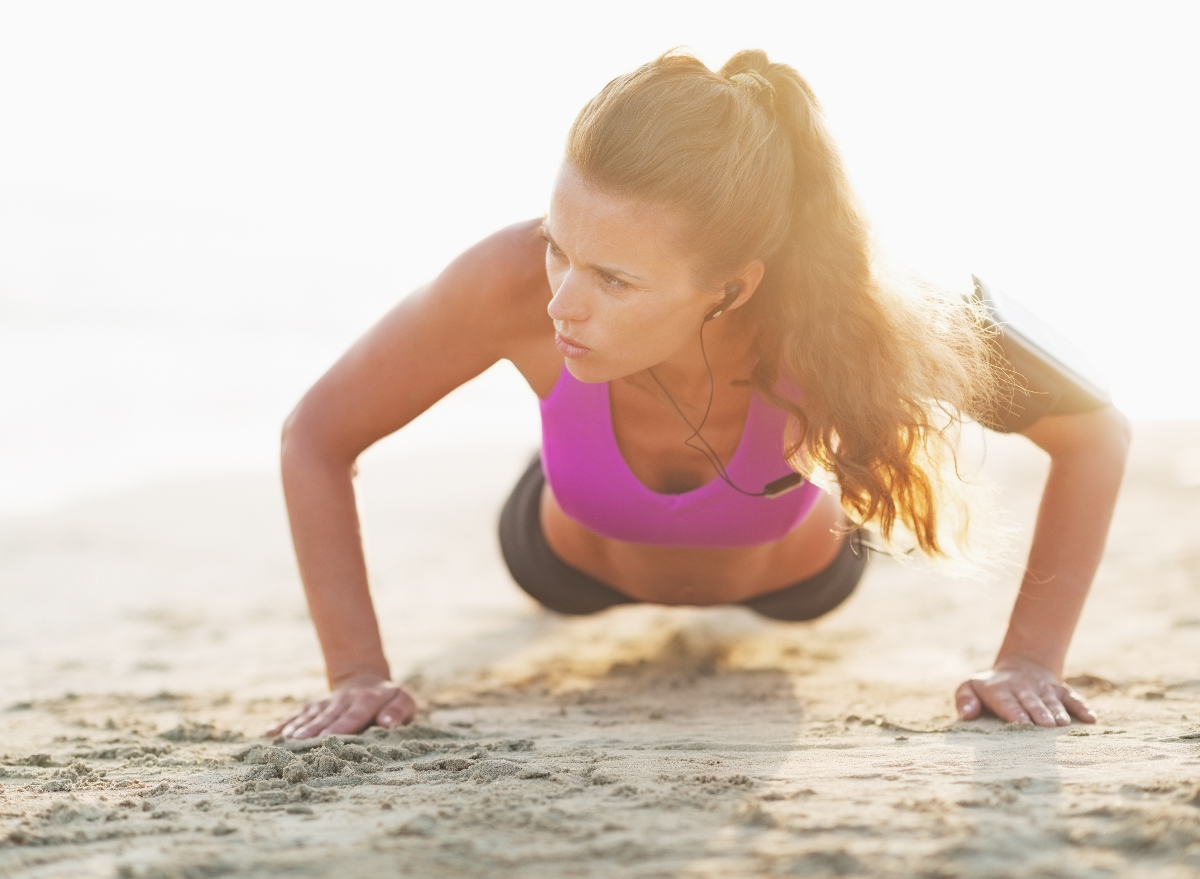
[{"x": 202, "y": 204}]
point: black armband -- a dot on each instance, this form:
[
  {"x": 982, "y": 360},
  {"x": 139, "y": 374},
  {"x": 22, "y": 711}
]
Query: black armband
[{"x": 1050, "y": 375}]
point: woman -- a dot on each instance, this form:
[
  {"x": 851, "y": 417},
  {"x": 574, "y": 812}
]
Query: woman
[{"x": 700, "y": 317}]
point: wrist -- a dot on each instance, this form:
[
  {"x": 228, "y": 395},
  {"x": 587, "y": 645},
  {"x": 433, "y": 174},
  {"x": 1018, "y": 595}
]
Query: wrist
[
  {"x": 1036, "y": 648},
  {"x": 359, "y": 677},
  {"x": 1013, "y": 661}
]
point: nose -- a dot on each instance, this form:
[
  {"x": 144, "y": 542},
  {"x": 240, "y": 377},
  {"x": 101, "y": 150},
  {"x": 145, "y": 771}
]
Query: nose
[{"x": 568, "y": 303}]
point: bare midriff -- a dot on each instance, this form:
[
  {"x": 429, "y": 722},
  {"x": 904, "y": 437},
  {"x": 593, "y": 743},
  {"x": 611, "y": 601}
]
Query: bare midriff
[{"x": 683, "y": 575}]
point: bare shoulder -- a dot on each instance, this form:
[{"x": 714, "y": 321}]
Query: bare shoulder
[
  {"x": 488, "y": 304},
  {"x": 504, "y": 277}
]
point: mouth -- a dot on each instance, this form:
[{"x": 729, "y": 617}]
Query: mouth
[{"x": 569, "y": 347}]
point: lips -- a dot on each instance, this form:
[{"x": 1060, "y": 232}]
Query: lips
[{"x": 569, "y": 347}]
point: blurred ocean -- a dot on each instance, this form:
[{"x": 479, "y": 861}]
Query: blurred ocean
[
  {"x": 201, "y": 206},
  {"x": 100, "y": 405},
  {"x": 139, "y": 343}
]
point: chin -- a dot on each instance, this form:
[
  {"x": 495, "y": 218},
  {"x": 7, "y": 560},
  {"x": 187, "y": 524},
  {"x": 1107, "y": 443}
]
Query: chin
[{"x": 590, "y": 372}]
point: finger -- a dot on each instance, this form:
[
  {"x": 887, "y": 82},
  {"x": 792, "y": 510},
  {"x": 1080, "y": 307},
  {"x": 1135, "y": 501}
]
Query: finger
[
  {"x": 398, "y": 711},
  {"x": 1005, "y": 705},
  {"x": 311, "y": 711},
  {"x": 278, "y": 728},
  {"x": 1032, "y": 702},
  {"x": 967, "y": 701},
  {"x": 306, "y": 714},
  {"x": 1055, "y": 707},
  {"x": 1075, "y": 704},
  {"x": 358, "y": 713},
  {"x": 1050, "y": 698},
  {"x": 331, "y": 710}
]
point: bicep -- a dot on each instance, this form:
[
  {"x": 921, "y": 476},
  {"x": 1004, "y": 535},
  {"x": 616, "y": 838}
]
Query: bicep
[{"x": 433, "y": 341}]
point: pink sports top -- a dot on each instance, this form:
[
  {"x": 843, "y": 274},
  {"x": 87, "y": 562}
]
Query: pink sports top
[{"x": 596, "y": 488}]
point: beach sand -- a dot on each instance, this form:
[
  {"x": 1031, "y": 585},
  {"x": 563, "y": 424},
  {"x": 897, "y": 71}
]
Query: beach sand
[{"x": 147, "y": 639}]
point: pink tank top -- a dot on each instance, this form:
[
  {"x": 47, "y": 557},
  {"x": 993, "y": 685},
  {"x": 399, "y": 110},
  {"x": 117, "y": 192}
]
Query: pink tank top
[{"x": 596, "y": 488}]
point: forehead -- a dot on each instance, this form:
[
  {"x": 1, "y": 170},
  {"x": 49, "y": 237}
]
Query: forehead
[{"x": 596, "y": 226}]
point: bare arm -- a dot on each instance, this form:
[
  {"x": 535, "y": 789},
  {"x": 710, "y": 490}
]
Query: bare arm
[
  {"x": 483, "y": 307},
  {"x": 1087, "y": 461}
]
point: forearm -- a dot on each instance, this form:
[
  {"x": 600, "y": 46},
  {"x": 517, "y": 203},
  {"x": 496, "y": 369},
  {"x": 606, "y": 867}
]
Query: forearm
[
  {"x": 1072, "y": 524},
  {"x": 324, "y": 522}
]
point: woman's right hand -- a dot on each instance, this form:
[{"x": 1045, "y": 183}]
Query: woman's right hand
[{"x": 350, "y": 708}]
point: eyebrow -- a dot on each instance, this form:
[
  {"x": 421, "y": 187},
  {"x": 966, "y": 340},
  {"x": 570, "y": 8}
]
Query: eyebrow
[{"x": 607, "y": 270}]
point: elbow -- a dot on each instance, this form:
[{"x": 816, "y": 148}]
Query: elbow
[
  {"x": 294, "y": 429},
  {"x": 295, "y": 441},
  {"x": 1115, "y": 434},
  {"x": 304, "y": 441},
  {"x": 1104, "y": 446},
  {"x": 1101, "y": 437}
]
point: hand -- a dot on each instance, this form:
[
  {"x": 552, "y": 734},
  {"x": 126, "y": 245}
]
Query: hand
[
  {"x": 1021, "y": 691},
  {"x": 351, "y": 708}
]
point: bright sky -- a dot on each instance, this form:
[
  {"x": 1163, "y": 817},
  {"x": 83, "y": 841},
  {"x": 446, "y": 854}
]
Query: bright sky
[{"x": 255, "y": 169}]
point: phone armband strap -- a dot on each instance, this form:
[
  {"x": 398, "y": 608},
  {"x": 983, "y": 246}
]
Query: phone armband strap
[{"x": 1051, "y": 376}]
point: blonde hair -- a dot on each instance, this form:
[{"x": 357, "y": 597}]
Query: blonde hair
[{"x": 886, "y": 367}]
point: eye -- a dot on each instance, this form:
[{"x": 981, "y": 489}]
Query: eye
[
  {"x": 612, "y": 282},
  {"x": 551, "y": 247}
]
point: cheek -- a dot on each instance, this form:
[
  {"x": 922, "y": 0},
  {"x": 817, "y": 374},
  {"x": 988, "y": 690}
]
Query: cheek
[
  {"x": 628, "y": 339},
  {"x": 648, "y": 333}
]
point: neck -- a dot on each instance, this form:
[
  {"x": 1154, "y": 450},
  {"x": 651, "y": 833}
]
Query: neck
[{"x": 729, "y": 346}]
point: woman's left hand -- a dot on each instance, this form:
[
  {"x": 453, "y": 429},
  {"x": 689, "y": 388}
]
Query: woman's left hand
[{"x": 1022, "y": 691}]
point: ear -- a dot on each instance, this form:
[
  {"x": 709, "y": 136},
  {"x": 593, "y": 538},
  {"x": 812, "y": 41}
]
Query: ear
[{"x": 745, "y": 282}]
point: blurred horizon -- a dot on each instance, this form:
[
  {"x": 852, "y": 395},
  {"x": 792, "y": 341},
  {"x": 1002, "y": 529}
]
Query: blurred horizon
[{"x": 201, "y": 206}]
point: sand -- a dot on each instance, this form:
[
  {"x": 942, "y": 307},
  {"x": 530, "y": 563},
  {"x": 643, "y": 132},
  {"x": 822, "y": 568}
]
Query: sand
[{"x": 147, "y": 639}]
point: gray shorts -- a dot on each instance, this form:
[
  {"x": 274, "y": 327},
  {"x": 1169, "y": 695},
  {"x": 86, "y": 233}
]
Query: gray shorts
[{"x": 559, "y": 587}]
